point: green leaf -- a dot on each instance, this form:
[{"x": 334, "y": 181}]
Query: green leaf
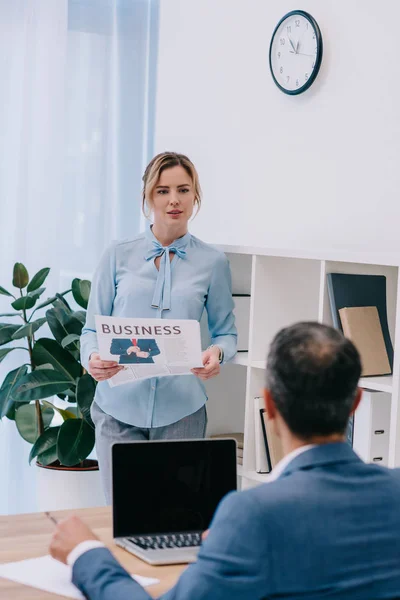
[
  {"x": 48, "y": 457},
  {"x": 41, "y": 384},
  {"x": 20, "y": 276},
  {"x": 80, "y": 315},
  {"x": 72, "y": 337},
  {"x": 81, "y": 291},
  {"x": 66, "y": 414},
  {"x": 85, "y": 391},
  {"x": 38, "y": 279},
  {"x": 4, "y": 352},
  {"x": 49, "y": 351},
  {"x": 46, "y": 302},
  {"x": 5, "y": 293},
  {"x": 45, "y": 366},
  {"x": 27, "y": 302},
  {"x": 6, "y": 332},
  {"x": 63, "y": 301},
  {"x": 63, "y": 324},
  {"x": 26, "y": 421},
  {"x": 29, "y": 330},
  {"x": 47, "y": 441},
  {"x": 7, "y": 407},
  {"x": 75, "y": 442}
]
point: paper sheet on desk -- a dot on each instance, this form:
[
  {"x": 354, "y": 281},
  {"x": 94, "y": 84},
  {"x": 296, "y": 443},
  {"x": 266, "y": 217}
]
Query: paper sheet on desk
[{"x": 46, "y": 573}]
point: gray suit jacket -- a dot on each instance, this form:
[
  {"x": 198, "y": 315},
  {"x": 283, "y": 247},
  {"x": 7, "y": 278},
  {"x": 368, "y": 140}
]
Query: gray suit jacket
[{"x": 328, "y": 527}]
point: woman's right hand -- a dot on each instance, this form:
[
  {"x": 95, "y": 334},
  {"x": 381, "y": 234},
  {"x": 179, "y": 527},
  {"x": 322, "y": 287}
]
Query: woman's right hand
[{"x": 101, "y": 370}]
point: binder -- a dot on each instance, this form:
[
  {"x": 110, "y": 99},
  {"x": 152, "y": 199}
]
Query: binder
[
  {"x": 371, "y": 427},
  {"x": 349, "y": 290}
]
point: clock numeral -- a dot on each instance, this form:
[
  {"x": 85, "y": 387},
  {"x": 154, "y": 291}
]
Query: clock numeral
[
  {"x": 297, "y": 22},
  {"x": 289, "y": 29},
  {"x": 297, "y": 83},
  {"x": 281, "y": 69},
  {"x": 306, "y": 24},
  {"x": 279, "y": 54},
  {"x": 314, "y": 37},
  {"x": 287, "y": 78},
  {"x": 306, "y": 76},
  {"x": 313, "y": 65},
  {"x": 282, "y": 41}
]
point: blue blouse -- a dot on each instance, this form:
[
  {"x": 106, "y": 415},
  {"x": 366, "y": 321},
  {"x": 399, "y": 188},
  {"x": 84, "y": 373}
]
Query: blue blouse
[{"x": 127, "y": 284}]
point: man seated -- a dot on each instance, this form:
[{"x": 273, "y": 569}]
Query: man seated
[{"x": 326, "y": 525}]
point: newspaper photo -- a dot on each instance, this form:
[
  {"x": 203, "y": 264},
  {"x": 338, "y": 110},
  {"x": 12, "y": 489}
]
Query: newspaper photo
[{"x": 149, "y": 347}]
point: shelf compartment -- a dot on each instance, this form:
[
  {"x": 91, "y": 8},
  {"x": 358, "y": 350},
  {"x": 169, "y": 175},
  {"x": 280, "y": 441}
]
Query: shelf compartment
[
  {"x": 383, "y": 383},
  {"x": 241, "y": 358}
]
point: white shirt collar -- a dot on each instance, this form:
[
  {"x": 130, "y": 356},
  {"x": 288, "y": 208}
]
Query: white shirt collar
[{"x": 286, "y": 460}]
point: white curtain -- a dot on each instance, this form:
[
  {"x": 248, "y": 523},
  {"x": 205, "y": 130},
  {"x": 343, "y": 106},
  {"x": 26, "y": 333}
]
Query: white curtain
[{"x": 74, "y": 120}]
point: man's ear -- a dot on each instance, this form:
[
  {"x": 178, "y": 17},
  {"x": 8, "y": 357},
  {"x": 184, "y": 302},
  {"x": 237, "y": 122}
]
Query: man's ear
[
  {"x": 357, "y": 400},
  {"x": 269, "y": 404}
]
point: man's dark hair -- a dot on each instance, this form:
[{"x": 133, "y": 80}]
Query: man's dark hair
[{"x": 312, "y": 374}]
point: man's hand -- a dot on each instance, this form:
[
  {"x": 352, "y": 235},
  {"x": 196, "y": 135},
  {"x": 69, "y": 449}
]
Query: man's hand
[
  {"x": 68, "y": 534},
  {"x": 101, "y": 370},
  {"x": 211, "y": 364},
  {"x": 133, "y": 350},
  {"x": 204, "y": 534},
  {"x": 142, "y": 354}
]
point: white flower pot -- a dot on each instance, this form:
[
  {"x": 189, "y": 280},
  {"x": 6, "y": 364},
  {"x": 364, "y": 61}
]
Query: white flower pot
[{"x": 61, "y": 488}]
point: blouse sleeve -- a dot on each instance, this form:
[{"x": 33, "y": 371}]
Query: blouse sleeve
[
  {"x": 101, "y": 300},
  {"x": 219, "y": 306}
]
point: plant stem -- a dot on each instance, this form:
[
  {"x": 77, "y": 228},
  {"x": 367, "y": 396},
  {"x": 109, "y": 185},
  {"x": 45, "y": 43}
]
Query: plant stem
[{"x": 39, "y": 415}]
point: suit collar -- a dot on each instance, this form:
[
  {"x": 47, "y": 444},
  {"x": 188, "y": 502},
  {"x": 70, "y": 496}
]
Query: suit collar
[{"x": 321, "y": 455}]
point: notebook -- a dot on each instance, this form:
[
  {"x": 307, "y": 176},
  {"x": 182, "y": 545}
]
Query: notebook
[
  {"x": 350, "y": 290},
  {"x": 362, "y": 326}
]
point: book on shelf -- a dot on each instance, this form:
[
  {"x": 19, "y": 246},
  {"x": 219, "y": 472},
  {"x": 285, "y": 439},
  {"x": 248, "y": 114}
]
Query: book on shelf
[
  {"x": 242, "y": 320},
  {"x": 262, "y": 461},
  {"x": 272, "y": 442},
  {"x": 353, "y": 290},
  {"x": 362, "y": 326}
]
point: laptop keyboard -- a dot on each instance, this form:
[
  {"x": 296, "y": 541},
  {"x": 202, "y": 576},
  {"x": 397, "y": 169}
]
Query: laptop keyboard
[{"x": 157, "y": 542}]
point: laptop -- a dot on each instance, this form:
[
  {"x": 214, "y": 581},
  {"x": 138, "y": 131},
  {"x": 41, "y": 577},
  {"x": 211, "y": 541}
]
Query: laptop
[{"x": 165, "y": 494}]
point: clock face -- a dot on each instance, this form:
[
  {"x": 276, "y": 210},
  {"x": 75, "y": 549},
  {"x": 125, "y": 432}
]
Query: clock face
[{"x": 295, "y": 53}]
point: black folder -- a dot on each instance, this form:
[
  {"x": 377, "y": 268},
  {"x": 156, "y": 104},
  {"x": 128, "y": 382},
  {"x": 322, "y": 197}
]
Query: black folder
[{"x": 348, "y": 290}]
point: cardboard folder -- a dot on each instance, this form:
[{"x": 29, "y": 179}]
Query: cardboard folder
[{"x": 362, "y": 326}]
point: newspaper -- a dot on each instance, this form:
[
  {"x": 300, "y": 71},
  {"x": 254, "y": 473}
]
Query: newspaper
[{"x": 149, "y": 347}]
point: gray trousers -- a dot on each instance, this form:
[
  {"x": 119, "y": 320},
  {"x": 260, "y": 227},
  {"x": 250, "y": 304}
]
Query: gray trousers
[{"x": 110, "y": 430}]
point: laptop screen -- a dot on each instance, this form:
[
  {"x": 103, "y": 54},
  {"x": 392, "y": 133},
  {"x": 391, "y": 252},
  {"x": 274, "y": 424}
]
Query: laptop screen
[{"x": 170, "y": 486}]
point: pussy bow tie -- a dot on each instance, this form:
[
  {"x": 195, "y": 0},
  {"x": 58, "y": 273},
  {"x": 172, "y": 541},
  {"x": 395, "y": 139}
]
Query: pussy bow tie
[{"x": 162, "y": 292}]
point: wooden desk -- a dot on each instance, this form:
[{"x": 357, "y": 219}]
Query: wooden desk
[{"x": 28, "y": 536}]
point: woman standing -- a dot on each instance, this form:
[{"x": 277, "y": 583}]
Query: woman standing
[{"x": 163, "y": 273}]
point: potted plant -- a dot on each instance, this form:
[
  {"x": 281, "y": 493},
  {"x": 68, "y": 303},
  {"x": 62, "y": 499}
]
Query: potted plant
[{"x": 51, "y": 368}]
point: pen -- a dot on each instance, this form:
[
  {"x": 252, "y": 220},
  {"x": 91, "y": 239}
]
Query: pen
[{"x": 51, "y": 518}]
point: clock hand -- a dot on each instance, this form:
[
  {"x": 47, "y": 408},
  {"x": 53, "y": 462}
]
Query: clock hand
[
  {"x": 291, "y": 43},
  {"x": 302, "y": 54}
]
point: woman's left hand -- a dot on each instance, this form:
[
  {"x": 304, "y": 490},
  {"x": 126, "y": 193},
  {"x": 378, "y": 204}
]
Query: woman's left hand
[{"x": 211, "y": 364}]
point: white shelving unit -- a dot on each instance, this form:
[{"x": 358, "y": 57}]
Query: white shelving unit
[{"x": 285, "y": 287}]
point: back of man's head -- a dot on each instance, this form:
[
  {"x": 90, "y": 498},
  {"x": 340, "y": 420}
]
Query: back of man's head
[{"x": 312, "y": 375}]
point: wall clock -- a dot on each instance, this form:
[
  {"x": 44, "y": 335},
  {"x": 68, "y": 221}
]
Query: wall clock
[{"x": 295, "y": 52}]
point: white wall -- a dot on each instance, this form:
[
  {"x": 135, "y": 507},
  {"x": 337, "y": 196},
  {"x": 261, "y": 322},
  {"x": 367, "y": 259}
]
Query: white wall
[{"x": 318, "y": 170}]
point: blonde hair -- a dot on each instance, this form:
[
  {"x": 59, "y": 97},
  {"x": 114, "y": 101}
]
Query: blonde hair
[{"x": 161, "y": 162}]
